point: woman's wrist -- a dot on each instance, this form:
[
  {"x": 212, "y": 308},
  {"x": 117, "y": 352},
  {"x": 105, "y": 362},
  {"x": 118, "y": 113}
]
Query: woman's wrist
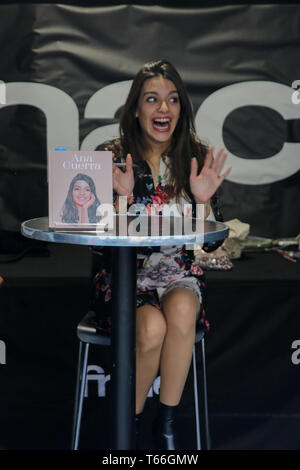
[
  {"x": 198, "y": 201},
  {"x": 206, "y": 207},
  {"x": 120, "y": 202}
]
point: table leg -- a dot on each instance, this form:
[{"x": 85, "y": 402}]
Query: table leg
[{"x": 123, "y": 347}]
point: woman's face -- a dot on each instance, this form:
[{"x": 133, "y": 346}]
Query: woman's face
[
  {"x": 158, "y": 110},
  {"x": 81, "y": 192}
]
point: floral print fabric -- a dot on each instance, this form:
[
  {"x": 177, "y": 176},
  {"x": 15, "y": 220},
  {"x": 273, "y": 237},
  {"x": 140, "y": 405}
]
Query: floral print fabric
[{"x": 157, "y": 267}]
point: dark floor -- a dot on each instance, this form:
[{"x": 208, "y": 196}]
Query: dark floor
[{"x": 253, "y": 387}]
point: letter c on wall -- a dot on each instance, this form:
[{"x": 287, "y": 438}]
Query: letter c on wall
[{"x": 212, "y": 113}]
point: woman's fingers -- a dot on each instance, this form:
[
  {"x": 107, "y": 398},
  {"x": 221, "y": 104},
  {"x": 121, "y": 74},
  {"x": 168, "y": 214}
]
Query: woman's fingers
[
  {"x": 209, "y": 158},
  {"x": 92, "y": 200},
  {"x": 116, "y": 170},
  {"x": 225, "y": 174},
  {"x": 194, "y": 167},
  {"x": 128, "y": 162},
  {"x": 218, "y": 157},
  {"x": 219, "y": 163},
  {"x": 123, "y": 181}
]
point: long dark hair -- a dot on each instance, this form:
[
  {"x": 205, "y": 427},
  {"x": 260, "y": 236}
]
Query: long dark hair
[
  {"x": 184, "y": 144},
  {"x": 69, "y": 210}
]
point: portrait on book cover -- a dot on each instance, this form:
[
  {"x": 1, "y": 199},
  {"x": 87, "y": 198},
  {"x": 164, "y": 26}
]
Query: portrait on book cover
[
  {"x": 81, "y": 202},
  {"x": 80, "y": 190}
]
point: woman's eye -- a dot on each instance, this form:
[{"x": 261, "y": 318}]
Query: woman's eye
[
  {"x": 151, "y": 99},
  {"x": 174, "y": 99}
]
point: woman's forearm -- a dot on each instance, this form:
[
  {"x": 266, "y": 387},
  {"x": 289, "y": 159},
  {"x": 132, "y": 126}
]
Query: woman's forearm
[
  {"x": 83, "y": 216},
  {"x": 121, "y": 203}
]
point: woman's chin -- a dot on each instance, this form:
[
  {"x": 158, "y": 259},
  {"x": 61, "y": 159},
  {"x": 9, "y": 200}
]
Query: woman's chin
[{"x": 160, "y": 138}]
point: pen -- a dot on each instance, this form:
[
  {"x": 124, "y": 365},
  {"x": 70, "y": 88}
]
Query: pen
[
  {"x": 287, "y": 256},
  {"x": 124, "y": 164},
  {"x": 294, "y": 254}
]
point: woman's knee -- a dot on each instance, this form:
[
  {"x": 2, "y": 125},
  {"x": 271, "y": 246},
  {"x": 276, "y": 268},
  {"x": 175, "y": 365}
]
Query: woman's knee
[
  {"x": 151, "y": 328},
  {"x": 181, "y": 308}
]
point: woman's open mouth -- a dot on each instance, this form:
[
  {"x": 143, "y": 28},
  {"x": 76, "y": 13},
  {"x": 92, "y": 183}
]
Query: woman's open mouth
[{"x": 161, "y": 124}]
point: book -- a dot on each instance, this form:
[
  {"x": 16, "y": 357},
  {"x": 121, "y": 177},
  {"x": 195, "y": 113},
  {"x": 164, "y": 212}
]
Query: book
[{"x": 80, "y": 190}]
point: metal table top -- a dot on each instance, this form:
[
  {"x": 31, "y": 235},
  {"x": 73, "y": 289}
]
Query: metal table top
[{"x": 133, "y": 231}]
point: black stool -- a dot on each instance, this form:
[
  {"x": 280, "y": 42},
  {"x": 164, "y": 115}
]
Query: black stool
[{"x": 88, "y": 333}]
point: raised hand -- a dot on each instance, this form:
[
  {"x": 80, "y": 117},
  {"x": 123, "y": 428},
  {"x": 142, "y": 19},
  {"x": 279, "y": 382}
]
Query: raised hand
[
  {"x": 123, "y": 182},
  {"x": 83, "y": 214},
  {"x": 204, "y": 185},
  {"x": 90, "y": 202}
]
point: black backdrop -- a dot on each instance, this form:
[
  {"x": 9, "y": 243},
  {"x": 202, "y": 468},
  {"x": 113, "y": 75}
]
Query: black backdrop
[
  {"x": 66, "y": 70},
  {"x": 239, "y": 63}
]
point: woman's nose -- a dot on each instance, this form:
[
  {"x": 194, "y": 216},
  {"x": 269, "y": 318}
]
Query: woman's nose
[{"x": 164, "y": 106}]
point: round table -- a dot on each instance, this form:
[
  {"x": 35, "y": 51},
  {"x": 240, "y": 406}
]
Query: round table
[{"x": 128, "y": 233}]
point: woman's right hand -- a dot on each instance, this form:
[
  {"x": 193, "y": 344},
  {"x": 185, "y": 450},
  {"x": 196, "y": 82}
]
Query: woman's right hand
[{"x": 123, "y": 182}]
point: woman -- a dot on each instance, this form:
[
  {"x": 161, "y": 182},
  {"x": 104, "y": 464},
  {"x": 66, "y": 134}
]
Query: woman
[
  {"x": 157, "y": 134},
  {"x": 81, "y": 203}
]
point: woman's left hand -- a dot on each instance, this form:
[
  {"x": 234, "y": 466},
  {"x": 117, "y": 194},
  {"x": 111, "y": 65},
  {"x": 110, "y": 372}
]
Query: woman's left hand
[
  {"x": 90, "y": 202},
  {"x": 204, "y": 185}
]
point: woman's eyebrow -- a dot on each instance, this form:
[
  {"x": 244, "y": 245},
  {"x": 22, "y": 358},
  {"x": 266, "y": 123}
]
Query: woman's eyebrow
[{"x": 155, "y": 92}]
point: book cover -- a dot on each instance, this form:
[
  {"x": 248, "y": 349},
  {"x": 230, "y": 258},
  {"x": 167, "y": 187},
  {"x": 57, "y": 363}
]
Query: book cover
[{"x": 80, "y": 190}]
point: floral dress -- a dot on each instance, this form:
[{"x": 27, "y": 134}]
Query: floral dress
[{"x": 159, "y": 269}]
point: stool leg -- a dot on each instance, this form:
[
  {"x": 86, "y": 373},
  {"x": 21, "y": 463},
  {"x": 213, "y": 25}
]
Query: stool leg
[
  {"x": 206, "y": 419},
  {"x": 196, "y": 400},
  {"x": 75, "y": 417},
  {"x": 81, "y": 381}
]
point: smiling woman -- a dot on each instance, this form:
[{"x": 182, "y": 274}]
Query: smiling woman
[
  {"x": 81, "y": 202},
  {"x": 172, "y": 168},
  {"x": 158, "y": 111}
]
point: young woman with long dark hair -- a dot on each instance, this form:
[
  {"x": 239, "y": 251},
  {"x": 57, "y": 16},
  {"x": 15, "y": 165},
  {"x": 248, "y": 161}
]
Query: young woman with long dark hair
[{"x": 172, "y": 166}]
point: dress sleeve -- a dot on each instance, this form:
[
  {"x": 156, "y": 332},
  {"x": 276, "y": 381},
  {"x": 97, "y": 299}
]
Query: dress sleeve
[{"x": 216, "y": 207}]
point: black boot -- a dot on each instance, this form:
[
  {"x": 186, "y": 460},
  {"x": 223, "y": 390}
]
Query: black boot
[
  {"x": 163, "y": 428},
  {"x": 138, "y": 430}
]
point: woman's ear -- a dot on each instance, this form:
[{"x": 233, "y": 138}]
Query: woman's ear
[{"x": 136, "y": 113}]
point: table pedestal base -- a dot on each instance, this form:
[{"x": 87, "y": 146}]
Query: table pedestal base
[{"x": 123, "y": 347}]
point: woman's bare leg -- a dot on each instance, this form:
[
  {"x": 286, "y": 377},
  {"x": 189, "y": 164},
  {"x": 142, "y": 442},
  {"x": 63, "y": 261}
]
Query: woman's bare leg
[
  {"x": 181, "y": 308},
  {"x": 150, "y": 333}
]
